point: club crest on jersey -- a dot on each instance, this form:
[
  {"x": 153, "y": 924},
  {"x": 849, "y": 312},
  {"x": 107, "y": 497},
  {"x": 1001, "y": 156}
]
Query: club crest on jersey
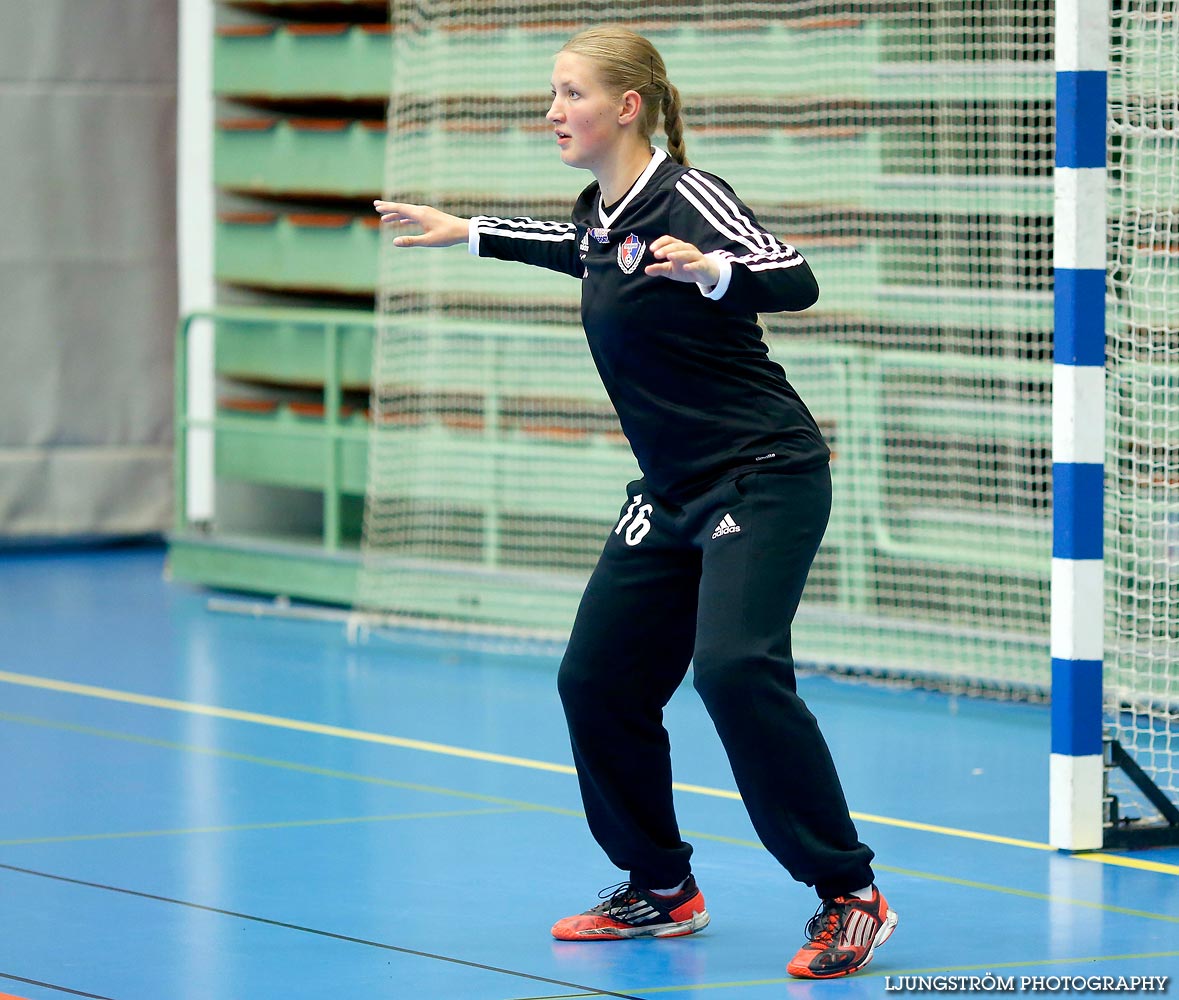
[
  {"x": 630, "y": 252},
  {"x": 601, "y": 235}
]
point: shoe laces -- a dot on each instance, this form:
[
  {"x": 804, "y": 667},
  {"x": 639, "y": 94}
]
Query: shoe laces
[
  {"x": 616, "y": 896},
  {"x": 827, "y": 924}
]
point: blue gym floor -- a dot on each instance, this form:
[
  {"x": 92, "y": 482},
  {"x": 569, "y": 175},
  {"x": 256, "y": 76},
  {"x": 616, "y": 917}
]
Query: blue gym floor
[{"x": 208, "y": 806}]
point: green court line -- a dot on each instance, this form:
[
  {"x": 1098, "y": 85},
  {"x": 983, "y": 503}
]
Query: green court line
[
  {"x": 989, "y": 967},
  {"x": 286, "y": 765},
  {"x": 1028, "y": 894},
  {"x": 518, "y": 805},
  {"x": 966, "y": 883},
  {"x": 245, "y": 827},
  {"x": 383, "y": 739}
]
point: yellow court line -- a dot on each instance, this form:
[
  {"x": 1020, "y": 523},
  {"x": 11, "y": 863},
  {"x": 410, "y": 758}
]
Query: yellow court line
[
  {"x": 1102, "y": 858},
  {"x": 517, "y": 805},
  {"x": 299, "y": 725},
  {"x": 275, "y": 721},
  {"x": 950, "y": 831},
  {"x": 1099, "y": 857}
]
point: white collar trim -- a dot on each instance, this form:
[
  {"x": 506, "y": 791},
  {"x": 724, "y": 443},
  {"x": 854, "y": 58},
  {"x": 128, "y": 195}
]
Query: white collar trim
[{"x": 657, "y": 157}]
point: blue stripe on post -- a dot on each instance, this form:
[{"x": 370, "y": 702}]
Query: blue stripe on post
[
  {"x": 1080, "y": 317},
  {"x": 1078, "y": 500},
  {"x": 1080, "y": 118},
  {"x": 1076, "y": 707}
]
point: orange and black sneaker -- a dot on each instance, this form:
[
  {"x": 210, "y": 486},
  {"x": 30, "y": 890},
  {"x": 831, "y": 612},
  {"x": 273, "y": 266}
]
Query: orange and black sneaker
[
  {"x": 843, "y": 934},
  {"x": 626, "y": 911}
]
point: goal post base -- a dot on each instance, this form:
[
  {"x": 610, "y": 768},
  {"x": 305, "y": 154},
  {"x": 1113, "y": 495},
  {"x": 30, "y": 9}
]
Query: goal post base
[{"x": 1131, "y": 832}]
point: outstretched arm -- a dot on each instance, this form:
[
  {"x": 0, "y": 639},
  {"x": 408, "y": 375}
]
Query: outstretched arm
[
  {"x": 438, "y": 229},
  {"x": 552, "y": 245}
]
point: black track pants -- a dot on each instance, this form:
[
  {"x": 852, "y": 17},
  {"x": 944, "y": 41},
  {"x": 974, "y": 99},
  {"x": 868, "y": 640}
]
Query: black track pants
[{"x": 716, "y": 582}]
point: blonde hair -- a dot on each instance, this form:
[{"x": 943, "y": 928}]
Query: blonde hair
[{"x": 628, "y": 61}]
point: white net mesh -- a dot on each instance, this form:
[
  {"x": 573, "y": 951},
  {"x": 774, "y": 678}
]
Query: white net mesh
[
  {"x": 1142, "y": 466},
  {"x": 906, "y": 150}
]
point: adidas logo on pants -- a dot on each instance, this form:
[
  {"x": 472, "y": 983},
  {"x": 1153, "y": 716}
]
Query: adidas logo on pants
[{"x": 726, "y": 527}]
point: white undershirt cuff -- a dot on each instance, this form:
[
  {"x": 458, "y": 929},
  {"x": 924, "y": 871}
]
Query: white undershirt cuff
[{"x": 718, "y": 290}]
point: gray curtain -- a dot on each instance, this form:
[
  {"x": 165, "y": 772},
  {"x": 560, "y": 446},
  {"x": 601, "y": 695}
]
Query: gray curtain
[{"x": 87, "y": 266}]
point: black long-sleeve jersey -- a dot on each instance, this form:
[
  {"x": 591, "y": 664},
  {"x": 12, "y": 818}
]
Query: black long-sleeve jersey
[{"x": 685, "y": 367}]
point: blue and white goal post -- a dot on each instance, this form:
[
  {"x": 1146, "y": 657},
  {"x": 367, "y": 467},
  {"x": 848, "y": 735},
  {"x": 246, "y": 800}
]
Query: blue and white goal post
[
  {"x": 1083, "y": 810},
  {"x": 1076, "y": 786}
]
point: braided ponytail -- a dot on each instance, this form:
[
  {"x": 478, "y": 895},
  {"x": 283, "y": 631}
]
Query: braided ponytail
[
  {"x": 627, "y": 61},
  {"x": 673, "y": 125}
]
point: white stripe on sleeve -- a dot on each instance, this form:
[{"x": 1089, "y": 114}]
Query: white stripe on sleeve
[
  {"x": 727, "y": 209},
  {"x": 760, "y": 262},
  {"x": 720, "y": 225},
  {"x": 725, "y": 216},
  {"x": 528, "y": 229}
]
